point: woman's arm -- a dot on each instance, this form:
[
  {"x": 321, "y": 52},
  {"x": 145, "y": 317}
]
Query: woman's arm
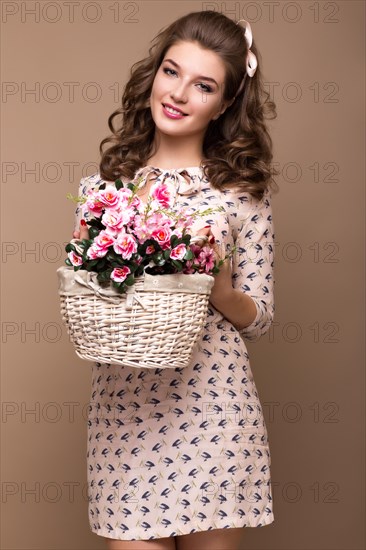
[
  {"x": 244, "y": 293},
  {"x": 238, "y": 307}
]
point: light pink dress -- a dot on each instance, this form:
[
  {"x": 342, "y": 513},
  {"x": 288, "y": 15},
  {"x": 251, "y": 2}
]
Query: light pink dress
[{"x": 176, "y": 451}]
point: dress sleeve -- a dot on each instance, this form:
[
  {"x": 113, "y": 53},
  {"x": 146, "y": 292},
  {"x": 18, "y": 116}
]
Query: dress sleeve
[
  {"x": 253, "y": 264},
  {"x": 82, "y": 190}
]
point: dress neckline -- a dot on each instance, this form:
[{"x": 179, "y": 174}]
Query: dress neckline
[
  {"x": 187, "y": 179},
  {"x": 179, "y": 169}
]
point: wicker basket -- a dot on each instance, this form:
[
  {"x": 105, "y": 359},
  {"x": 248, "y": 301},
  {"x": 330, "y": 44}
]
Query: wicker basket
[{"x": 156, "y": 324}]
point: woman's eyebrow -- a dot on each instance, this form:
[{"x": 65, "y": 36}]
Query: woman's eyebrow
[{"x": 200, "y": 77}]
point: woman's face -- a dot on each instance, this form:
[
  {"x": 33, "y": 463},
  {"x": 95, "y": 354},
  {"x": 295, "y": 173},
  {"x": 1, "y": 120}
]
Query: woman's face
[{"x": 190, "y": 79}]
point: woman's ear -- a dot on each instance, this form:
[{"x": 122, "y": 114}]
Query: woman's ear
[{"x": 225, "y": 105}]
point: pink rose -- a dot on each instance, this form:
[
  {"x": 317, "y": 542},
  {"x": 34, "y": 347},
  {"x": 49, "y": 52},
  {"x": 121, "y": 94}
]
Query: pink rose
[
  {"x": 163, "y": 193},
  {"x": 74, "y": 258},
  {"x": 126, "y": 245},
  {"x": 109, "y": 197},
  {"x": 95, "y": 252},
  {"x": 178, "y": 252},
  {"x": 114, "y": 220},
  {"x": 93, "y": 204},
  {"x": 162, "y": 236},
  {"x": 119, "y": 274},
  {"x": 104, "y": 240}
]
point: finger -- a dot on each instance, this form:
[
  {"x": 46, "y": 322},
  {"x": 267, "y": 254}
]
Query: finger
[
  {"x": 199, "y": 240},
  {"x": 76, "y": 234},
  {"x": 84, "y": 231},
  {"x": 206, "y": 230},
  {"x": 206, "y": 233}
]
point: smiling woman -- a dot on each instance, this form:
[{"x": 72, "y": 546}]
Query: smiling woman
[
  {"x": 198, "y": 65},
  {"x": 180, "y": 94},
  {"x": 179, "y": 459}
]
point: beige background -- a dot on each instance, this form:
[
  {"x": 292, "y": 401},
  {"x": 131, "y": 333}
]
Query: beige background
[{"x": 309, "y": 368}]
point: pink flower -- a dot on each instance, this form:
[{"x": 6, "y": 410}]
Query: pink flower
[
  {"x": 119, "y": 274},
  {"x": 100, "y": 246},
  {"x": 104, "y": 240},
  {"x": 188, "y": 269},
  {"x": 163, "y": 193},
  {"x": 178, "y": 252},
  {"x": 206, "y": 258},
  {"x": 162, "y": 236},
  {"x": 114, "y": 220},
  {"x": 137, "y": 203},
  {"x": 150, "y": 249},
  {"x": 126, "y": 245},
  {"x": 185, "y": 222},
  {"x": 109, "y": 197},
  {"x": 93, "y": 204},
  {"x": 158, "y": 219},
  {"x": 95, "y": 252},
  {"x": 74, "y": 258}
]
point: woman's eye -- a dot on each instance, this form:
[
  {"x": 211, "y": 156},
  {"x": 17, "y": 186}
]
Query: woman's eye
[
  {"x": 168, "y": 69},
  {"x": 208, "y": 88}
]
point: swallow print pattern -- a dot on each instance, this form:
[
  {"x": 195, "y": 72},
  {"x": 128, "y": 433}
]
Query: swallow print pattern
[{"x": 175, "y": 451}]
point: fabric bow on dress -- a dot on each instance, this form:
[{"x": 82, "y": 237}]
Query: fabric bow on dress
[{"x": 187, "y": 182}]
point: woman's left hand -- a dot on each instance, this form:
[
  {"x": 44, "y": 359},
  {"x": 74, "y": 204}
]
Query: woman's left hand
[{"x": 223, "y": 281}]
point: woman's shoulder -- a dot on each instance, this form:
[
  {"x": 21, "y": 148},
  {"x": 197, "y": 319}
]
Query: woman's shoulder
[{"x": 93, "y": 179}]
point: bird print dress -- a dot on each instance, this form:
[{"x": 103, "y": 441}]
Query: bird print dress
[{"x": 173, "y": 451}]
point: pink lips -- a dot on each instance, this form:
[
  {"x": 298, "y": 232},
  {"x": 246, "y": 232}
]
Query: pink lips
[{"x": 172, "y": 115}]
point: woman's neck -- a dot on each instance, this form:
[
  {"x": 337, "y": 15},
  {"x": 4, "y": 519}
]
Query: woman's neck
[{"x": 175, "y": 152}]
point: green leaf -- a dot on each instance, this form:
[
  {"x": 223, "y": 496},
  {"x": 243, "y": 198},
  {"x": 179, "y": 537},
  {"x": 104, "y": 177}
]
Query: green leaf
[
  {"x": 112, "y": 255},
  {"x": 177, "y": 264},
  {"x": 67, "y": 262},
  {"x": 119, "y": 184},
  {"x": 116, "y": 263},
  {"x": 76, "y": 198},
  {"x": 188, "y": 255},
  {"x": 91, "y": 264},
  {"x": 93, "y": 232},
  {"x": 102, "y": 186},
  {"x": 174, "y": 240},
  {"x": 101, "y": 265},
  {"x": 139, "y": 271},
  {"x": 86, "y": 242},
  {"x": 157, "y": 257},
  {"x": 130, "y": 280}
]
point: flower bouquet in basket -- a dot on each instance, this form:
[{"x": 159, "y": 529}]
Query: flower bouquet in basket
[{"x": 136, "y": 292}]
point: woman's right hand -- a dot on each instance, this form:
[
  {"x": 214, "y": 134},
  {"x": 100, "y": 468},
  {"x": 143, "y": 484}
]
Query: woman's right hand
[{"x": 83, "y": 232}]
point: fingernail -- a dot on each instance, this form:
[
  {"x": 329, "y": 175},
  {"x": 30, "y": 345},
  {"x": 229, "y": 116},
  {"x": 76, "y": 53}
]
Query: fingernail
[
  {"x": 83, "y": 222},
  {"x": 211, "y": 239},
  {"x": 207, "y": 226}
]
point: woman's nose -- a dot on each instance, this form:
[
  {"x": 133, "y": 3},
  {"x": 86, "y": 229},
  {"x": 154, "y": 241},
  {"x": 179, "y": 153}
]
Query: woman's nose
[{"x": 179, "y": 93}]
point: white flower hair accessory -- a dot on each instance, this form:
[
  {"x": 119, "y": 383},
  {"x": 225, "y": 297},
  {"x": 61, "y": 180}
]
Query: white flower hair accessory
[{"x": 251, "y": 60}]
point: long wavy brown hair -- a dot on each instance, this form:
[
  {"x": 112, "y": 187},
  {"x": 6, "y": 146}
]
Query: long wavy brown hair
[{"x": 237, "y": 147}]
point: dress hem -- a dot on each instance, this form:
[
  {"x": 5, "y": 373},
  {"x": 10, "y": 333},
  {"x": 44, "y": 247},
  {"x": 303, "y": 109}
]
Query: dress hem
[{"x": 179, "y": 532}]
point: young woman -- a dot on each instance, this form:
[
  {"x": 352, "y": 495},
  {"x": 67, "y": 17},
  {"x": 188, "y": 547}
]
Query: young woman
[{"x": 179, "y": 458}]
